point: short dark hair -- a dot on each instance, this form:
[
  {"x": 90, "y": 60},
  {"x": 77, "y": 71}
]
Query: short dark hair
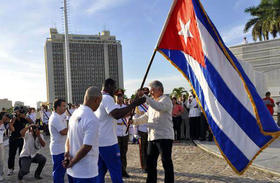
[
  {"x": 267, "y": 93},
  {"x": 57, "y": 103},
  {"x": 109, "y": 83}
]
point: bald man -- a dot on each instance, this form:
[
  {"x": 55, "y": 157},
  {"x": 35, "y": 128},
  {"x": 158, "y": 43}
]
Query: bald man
[{"x": 82, "y": 151}]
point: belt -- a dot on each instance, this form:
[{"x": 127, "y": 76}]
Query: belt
[{"x": 120, "y": 124}]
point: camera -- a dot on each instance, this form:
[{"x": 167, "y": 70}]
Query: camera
[{"x": 34, "y": 129}]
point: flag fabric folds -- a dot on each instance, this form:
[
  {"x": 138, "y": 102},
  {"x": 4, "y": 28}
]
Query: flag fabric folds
[{"x": 240, "y": 122}]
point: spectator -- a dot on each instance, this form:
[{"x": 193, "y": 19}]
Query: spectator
[
  {"x": 32, "y": 115},
  {"x": 121, "y": 133},
  {"x": 45, "y": 116},
  {"x": 269, "y": 102},
  {"x": 33, "y": 141},
  {"x": 176, "y": 118},
  {"x": 4, "y": 120},
  {"x": 58, "y": 131},
  {"x": 81, "y": 154},
  {"x": 16, "y": 140},
  {"x": 185, "y": 126},
  {"x": 278, "y": 112},
  {"x": 194, "y": 117}
]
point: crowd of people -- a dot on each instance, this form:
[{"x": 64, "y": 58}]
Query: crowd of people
[
  {"x": 189, "y": 121},
  {"x": 88, "y": 140}
]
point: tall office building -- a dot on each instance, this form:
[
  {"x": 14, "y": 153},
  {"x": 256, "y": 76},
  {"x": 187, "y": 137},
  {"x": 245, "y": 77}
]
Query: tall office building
[{"x": 93, "y": 58}]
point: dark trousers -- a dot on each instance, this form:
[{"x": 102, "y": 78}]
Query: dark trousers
[
  {"x": 123, "y": 144},
  {"x": 14, "y": 144},
  {"x": 25, "y": 163},
  {"x": 203, "y": 127},
  {"x": 163, "y": 148},
  {"x": 46, "y": 128},
  {"x": 194, "y": 127},
  {"x": 143, "y": 145},
  {"x": 177, "y": 127}
]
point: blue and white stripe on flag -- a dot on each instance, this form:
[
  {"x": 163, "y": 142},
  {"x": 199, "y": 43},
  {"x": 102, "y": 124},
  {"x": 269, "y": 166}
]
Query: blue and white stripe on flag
[{"x": 240, "y": 122}]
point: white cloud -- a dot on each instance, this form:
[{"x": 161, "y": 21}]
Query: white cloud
[
  {"x": 234, "y": 35},
  {"x": 99, "y": 5}
]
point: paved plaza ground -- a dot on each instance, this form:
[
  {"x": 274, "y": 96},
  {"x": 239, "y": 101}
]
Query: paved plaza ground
[{"x": 191, "y": 165}]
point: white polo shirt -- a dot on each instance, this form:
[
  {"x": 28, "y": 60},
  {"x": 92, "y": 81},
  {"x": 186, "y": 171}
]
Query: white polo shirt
[
  {"x": 107, "y": 128},
  {"x": 83, "y": 129},
  {"x": 57, "y": 141},
  {"x": 121, "y": 127}
]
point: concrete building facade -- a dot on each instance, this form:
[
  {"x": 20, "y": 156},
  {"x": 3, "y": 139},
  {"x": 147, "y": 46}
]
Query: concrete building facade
[
  {"x": 93, "y": 58},
  {"x": 264, "y": 57},
  {"x": 18, "y": 103},
  {"x": 5, "y": 103}
]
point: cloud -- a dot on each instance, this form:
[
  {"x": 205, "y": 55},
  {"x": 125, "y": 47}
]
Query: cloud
[
  {"x": 234, "y": 35},
  {"x": 99, "y": 5}
]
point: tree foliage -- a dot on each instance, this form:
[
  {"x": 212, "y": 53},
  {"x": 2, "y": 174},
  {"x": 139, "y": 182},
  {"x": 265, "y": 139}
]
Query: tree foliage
[{"x": 265, "y": 21}]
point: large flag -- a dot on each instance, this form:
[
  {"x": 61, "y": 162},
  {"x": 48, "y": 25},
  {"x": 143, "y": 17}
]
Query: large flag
[{"x": 241, "y": 124}]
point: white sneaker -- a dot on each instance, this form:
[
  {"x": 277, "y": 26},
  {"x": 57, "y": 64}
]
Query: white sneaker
[
  {"x": 10, "y": 172},
  {"x": 1, "y": 178}
]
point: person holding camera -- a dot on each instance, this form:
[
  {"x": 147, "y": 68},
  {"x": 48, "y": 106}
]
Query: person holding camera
[
  {"x": 4, "y": 122},
  {"x": 33, "y": 141},
  {"x": 58, "y": 133},
  {"x": 19, "y": 121}
]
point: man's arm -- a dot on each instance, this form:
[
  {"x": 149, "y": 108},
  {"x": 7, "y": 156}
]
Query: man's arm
[
  {"x": 41, "y": 140},
  {"x": 122, "y": 112},
  {"x": 64, "y": 131},
  {"x": 23, "y": 131},
  {"x": 11, "y": 125},
  {"x": 163, "y": 105},
  {"x": 80, "y": 155}
]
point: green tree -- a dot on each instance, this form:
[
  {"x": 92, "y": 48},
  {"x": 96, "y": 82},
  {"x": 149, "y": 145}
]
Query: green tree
[
  {"x": 178, "y": 92},
  {"x": 265, "y": 21}
]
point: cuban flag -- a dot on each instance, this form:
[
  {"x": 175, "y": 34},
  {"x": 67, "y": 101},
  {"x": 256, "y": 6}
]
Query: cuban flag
[{"x": 240, "y": 122}]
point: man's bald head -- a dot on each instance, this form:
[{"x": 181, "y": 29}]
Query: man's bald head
[{"x": 92, "y": 97}]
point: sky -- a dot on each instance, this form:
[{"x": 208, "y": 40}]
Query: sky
[{"x": 137, "y": 24}]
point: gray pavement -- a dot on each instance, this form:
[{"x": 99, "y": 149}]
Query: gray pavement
[
  {"x": 269, "y": 159},
  {"x": 191, "y": 165}
]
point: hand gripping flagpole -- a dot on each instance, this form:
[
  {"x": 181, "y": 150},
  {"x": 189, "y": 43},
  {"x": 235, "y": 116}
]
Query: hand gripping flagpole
[{"x": 152, "y": 59}]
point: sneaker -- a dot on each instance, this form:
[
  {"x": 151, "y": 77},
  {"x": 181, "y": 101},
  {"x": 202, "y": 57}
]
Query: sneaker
[
  {"x": 1, "y": 178},
  {"x": 10, "y": 172}
]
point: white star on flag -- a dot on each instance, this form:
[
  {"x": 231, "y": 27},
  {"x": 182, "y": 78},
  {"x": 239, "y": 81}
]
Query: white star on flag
[{"x": 185, "y": 30}]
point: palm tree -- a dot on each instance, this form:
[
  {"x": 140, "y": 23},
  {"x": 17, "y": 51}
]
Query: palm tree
[
  {"x": 265, "y": 21},
  {"x": 178, "y": 92}
]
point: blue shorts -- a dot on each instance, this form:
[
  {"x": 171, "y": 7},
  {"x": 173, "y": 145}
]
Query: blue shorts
[
  {"x": 82, "y": 180},
  {"x": 109, "y": 159}
]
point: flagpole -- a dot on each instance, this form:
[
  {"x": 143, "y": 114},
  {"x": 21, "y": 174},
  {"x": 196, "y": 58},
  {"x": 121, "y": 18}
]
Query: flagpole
[
  {"x": 153, "y": 56},
  {"x": 159, "y": 39}
]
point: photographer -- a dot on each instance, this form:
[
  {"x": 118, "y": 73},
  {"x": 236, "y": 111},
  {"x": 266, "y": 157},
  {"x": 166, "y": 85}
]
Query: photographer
[
  {"x": 33, "y": 141},
  {"x": 4, "y": 122},
  {"x": 15, "y": 141}
]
